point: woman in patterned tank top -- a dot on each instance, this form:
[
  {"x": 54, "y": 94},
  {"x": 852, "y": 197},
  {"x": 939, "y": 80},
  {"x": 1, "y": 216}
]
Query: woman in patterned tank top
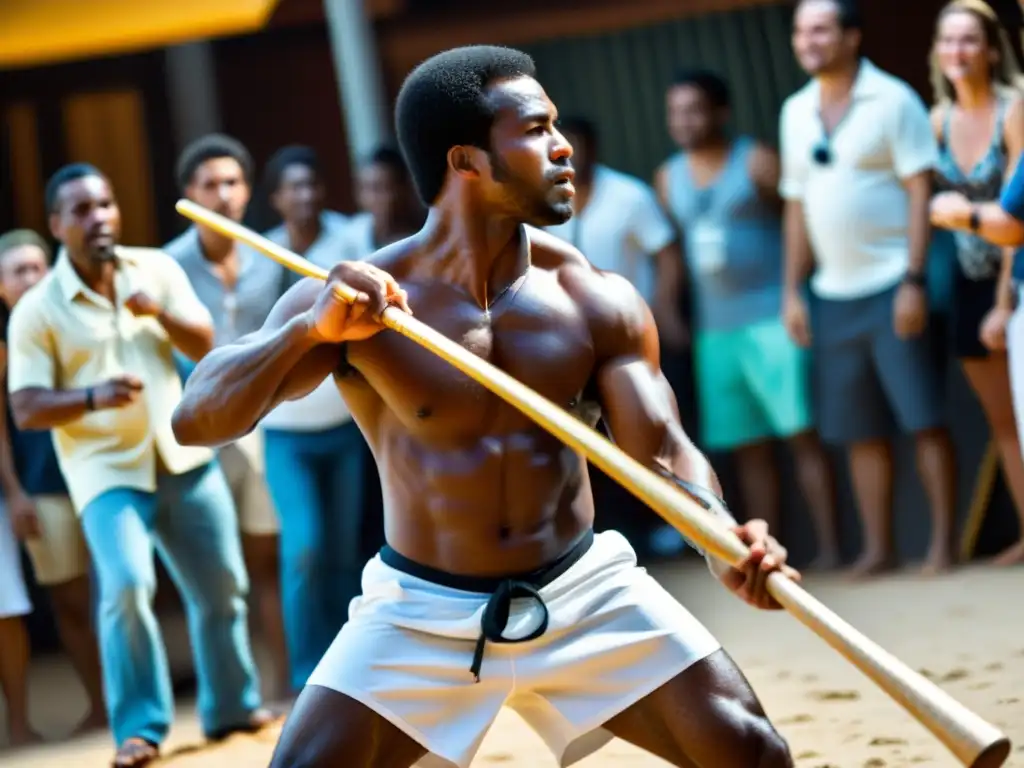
[{"x": 979, "y": 124}]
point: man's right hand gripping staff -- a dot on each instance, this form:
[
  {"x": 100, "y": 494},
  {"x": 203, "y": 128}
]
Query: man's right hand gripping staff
[{"x": 299, "y": 346}]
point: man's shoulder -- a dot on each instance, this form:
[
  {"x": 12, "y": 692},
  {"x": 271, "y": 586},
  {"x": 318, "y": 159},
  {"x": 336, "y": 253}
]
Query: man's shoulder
[
  {"x": 626, "y": 183},
  {"x": 147, "y": 258},
  {"x": 592, "y": 288},
  {"x": 31, "y": 308},
  {"x": 552, "y": 253},
  {"x": 181, "y": 247},
  {"x": 278, "y": 235},
  {"x": 890, "y": 85},
  {"x": 801, "y": 99}
]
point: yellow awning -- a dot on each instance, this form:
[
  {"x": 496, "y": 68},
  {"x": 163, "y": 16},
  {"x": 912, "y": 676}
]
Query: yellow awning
[{"x": 36, "y": 32}]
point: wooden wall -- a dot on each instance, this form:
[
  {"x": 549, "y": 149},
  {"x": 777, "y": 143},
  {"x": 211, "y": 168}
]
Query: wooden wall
[{"x": 111, "y": 113}]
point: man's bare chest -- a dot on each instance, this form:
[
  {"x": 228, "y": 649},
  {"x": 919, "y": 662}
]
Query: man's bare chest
[{"x": 537, "y": 334}]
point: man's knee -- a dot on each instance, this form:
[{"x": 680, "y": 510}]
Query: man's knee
[
  {"x": 128, "y": 599},
  {"x": 771, "y": 749}
]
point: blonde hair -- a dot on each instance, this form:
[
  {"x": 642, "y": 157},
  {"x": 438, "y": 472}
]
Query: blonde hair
[
  {"x": 1005, "y": 73},
  {"x": 17, "y": 238}
]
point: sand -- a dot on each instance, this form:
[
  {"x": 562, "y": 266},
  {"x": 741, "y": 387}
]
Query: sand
[{"x": 965, "y": 630}]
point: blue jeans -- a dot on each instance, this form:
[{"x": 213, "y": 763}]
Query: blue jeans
[
  {"x": 191, "y": 523},
  {"x": 316, "y": 482}
]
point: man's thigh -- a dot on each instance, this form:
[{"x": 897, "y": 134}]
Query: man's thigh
[
  {"x": 631, "y": 639},
  {"x": 59, "y": 554},
  {"x": 778, "y": 372},
  {"x": 197, "y": 533},
  {"x": 708, "y": 715},
  {"x": 419, "y": 682},
  {"x": 730, "y": 415},
  {"x": 912, "y": 379},
  {"x": 327, "y": 729},
  {"x": 118, "y": 530},
  {"x": 256, "y": 513}
]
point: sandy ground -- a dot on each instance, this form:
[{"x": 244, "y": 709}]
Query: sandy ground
[{"x": 966, "y": 631}]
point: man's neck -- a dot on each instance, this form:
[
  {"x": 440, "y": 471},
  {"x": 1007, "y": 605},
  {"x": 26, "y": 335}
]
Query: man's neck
[
  {"x": 715, "y": 150},
  {"x": 473, "y": 249},
  {"x": 216, "y": 247},
  {"x": 834, "y": 87},
  {"x": 97, "y": 276},
  {"x": 302, "y": 234}
]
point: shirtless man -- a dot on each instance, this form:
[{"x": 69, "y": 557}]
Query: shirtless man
[{"x": 482, "y": 505}]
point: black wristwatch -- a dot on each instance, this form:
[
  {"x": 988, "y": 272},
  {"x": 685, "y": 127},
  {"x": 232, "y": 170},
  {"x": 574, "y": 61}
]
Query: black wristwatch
[
  {"x": 90, "y": 402},
  {"x": 974, "y": 221},
  {"x": 918, "y": 279}
]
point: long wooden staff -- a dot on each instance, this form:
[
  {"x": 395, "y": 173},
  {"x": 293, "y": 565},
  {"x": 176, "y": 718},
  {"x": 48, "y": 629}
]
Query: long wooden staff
[{"x": 974, "y": 741}]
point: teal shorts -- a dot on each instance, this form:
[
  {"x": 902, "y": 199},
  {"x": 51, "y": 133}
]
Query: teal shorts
[{"x": 752, "y": 385}]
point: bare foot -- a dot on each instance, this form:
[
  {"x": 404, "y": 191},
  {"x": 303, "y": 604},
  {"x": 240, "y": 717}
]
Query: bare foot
[
  {"x": 135, "y": 753},
  {"x": 940, "y": 560},
  {"x": 96, "y": 720},
  {"x": 1012, "y": 556},
  {"x": 258, "y": 720},
  {"x": 828, "y": 560},
  {"x": 871, "y": 564},
  {"x": 24, "y": 737}
]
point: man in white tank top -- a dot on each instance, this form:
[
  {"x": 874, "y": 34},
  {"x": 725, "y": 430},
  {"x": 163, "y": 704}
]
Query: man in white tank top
[{"x": 751, "y": 379}]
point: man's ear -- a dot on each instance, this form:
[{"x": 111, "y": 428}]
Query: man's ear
[{"x": 463, "y": 161}]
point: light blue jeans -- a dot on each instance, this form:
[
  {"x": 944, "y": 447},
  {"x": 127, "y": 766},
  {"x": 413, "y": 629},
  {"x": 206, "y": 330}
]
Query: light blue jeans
[
  {"x": 191, "y": 523},
  {"x": 316, "y": 482}
]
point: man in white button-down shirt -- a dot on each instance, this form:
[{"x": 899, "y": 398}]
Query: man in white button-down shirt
[
  {"x": 90, "y": 357},
  {"x": 857, "y": 158}
]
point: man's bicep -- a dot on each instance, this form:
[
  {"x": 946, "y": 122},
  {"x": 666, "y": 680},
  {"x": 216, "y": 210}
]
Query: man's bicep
[
  {"x": 636, "y": 401},
  {"x": 317, "y": 364},
  {"x": 914, "y": 147}
]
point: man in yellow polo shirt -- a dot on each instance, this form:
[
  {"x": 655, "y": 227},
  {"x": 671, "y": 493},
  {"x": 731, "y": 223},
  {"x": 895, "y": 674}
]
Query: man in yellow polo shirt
[{"x": 90, "y": 357}]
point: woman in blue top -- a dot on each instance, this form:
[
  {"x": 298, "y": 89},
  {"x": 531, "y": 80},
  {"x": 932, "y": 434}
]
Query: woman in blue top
[{"x": 979, "y": 124}]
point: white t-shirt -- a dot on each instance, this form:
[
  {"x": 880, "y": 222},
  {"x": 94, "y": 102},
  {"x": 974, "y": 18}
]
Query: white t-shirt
[
  {"x": 621, "y": 229},
  {"x": 323, "y": 408},
  {"x": 855, "y": 206}
]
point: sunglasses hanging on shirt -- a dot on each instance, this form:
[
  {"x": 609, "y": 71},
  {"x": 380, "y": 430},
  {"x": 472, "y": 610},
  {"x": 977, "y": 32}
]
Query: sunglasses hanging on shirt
[{"x": 821, "y": 154}]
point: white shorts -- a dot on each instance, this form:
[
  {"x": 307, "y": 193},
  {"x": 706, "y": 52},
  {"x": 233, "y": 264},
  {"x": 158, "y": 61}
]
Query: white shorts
[
  {"x": 614, "y": 635},
  {"x": 242, "y": 463},
  {"x": 14, "y": 599}
]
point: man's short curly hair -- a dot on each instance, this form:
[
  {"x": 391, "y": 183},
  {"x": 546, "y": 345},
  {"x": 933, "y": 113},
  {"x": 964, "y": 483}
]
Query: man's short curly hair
[
  {"x": 443, "y": 103},
  {"x": 213, "y": 146},
  {"x": 284, "y": 158}
]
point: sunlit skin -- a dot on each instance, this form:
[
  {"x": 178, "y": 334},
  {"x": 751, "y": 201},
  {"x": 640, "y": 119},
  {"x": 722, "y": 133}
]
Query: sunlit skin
[
  {"x": 220, "y": 185},
  {"x": 20, "y": 269},
  {"x": 471, "y": 485},
  {"x": 820, "y": 43},
  {"x": 967, "y": 59},
  {"x": 299, "y": 196}
]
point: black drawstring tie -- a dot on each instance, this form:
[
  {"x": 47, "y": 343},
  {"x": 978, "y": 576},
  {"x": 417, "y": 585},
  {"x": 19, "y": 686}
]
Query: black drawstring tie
[
  {"x": 501, "y": 591},
  {"x": 495, "y": 619}
]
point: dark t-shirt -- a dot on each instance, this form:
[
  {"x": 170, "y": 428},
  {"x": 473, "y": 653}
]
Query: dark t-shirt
[{"x": 35, "y": 460}]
